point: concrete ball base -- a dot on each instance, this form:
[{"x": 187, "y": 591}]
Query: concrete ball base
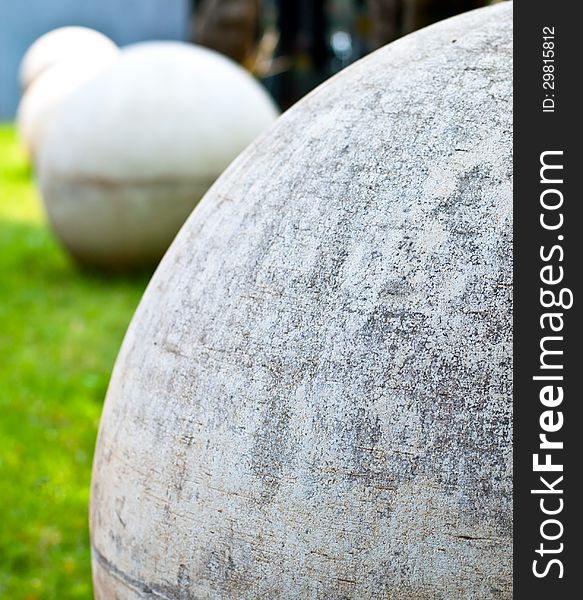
[
  {"x": 314, "y": 398},
  {"x": 120, "y": 227}
]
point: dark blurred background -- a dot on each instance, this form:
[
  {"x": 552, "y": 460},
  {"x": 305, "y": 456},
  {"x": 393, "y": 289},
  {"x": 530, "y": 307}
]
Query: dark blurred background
[{"x": 292, "y": 45}]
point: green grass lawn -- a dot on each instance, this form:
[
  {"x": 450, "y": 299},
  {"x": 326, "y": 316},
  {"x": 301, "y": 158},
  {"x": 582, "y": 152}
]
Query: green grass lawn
[{"x": 60, "y": 330}]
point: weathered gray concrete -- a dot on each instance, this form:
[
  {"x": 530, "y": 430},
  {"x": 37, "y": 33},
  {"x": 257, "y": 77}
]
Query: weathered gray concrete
[{"x": 314, "y": 397}]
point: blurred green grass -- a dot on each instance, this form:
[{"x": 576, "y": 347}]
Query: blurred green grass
[{"x": 60, "y": 330}]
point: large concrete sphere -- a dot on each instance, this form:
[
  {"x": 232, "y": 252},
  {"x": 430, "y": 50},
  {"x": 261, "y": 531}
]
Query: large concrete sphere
[
  {"x": 314, "y": 397},
  {"x": 128, "y": 156},
  {"x": 61, "y": 44},
  {"x": 49, "y": 90}
]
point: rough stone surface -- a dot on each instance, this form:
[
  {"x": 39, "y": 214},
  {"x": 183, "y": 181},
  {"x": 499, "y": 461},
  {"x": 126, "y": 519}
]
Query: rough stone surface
[
  {"x": 130, "y": 153},
  {"x": 314, "y": 397},
  {"x": 61, "y": 44}
]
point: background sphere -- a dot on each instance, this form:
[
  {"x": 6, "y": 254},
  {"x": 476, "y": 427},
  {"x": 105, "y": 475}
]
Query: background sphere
[
  {"x": 131, "y": 152},
  {"x": 46, "y": 93},
  {"x": 314, "y": 397},
  {"x": 62, "y": 44}
]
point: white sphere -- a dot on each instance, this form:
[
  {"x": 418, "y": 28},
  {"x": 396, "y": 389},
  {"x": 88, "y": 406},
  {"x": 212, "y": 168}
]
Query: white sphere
[
  {"x": 49, "y": 90},
  {"x": 129, "y": 154},
  {"x": 314, "y": 398},
  {"x": 61, "y": 44}
]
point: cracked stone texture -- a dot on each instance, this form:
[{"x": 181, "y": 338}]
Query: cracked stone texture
[{"x": 314, "y": 397}]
